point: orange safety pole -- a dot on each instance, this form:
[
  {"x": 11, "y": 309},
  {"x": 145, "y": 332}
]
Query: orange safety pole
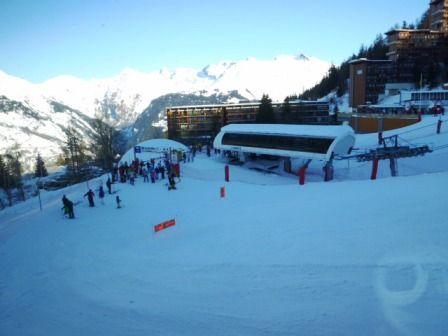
[
  {"x": 227, "y": 173},
  {"x": 302, "y": 172},
  {"x": 374, "y": 169},
  {"x": 223, "y": 192}
]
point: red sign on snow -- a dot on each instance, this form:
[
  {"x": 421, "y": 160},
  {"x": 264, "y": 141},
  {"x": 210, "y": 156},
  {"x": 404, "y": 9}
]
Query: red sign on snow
[{"x": 164, "y": 225}]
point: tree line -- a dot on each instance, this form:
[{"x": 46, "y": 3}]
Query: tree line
[
  {"x": 82, "y": 160},
  {"x": 267, "y": 115}
]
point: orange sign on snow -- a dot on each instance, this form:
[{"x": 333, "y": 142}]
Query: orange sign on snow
[{"x": 164, "y": 225}]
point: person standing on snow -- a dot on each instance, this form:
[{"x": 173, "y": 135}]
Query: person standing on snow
[
  {"x": 118, "y": 202},
  {"x": 68, "y": 207},
  {"x": 171, "y": 181},
  {"x": 101, "y": 194},
  {"x": 109, "y": 185},
  {"x": 90, "y": 196},
  {"x": 151, "y": 173},
  {"x": 145, "y": 174}
]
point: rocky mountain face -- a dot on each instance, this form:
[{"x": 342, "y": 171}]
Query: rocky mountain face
[{"x": 35, "y": 116}]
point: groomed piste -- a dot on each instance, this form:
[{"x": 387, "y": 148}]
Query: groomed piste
[{"x": 347, "y": 257}]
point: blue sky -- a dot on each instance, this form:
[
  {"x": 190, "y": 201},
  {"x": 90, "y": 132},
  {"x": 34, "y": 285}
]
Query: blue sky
[{"x": 41, "y": 39}]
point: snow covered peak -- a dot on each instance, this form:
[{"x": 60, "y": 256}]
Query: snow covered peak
[
  {"x": 127, "y": 71},
  {"x": 303, "y": 57},
  {"x": 215, "y": 71}
]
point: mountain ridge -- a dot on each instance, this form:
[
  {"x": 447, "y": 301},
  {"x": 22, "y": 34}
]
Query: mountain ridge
[{"x": 123, "y": 98}]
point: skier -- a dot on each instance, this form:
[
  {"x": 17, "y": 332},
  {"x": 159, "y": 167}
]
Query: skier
[
  {"x": 151, "y": 173},
  {"x": 90, "y": 195},
  {"x": 109, "y": 185},
  {"x": 101, "y": 194},
  {"x": 121, "y": 171},
  {"x": 171, "y": 181},
  {"x": 118, "y": 202},
  {"x": 145, "y": 175},
  {"x": 162, "y": 171},
  {"x": 168, "y": 166},
  {"x": 68, "y": 207}
]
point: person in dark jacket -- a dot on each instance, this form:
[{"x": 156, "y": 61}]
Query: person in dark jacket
[
  {"x": 101, "y": 194},
  {"x": 171, "y": 181},
  {"x": 68, "y": 207},
  {"x": 118, "y": 202},
  {"x": 90, "y": 196},
  {"x": 109, "y": 185}
]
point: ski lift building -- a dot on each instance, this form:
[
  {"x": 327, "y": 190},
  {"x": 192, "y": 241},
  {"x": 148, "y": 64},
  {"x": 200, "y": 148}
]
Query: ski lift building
[{"x": 289, "y": 141}]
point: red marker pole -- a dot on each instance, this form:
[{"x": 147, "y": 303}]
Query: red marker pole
[
  {"x": 374, "y": 169},
  {"x": 302, "y": 172},
  {"x": 223, "y": 192},
  {"x": 227, "y": 173}
]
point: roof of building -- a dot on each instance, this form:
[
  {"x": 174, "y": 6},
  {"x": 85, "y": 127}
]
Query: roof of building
[
  {"x": 366, "y": 60},
  {"x": 426, "y": 31},
  {"x": 254, "y": 104},
  {"x": 157, "y": 146}
]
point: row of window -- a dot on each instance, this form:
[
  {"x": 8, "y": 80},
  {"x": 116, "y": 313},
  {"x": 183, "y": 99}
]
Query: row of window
[
  {"x": 430, "y": 96},
  {"x": 291, "y": 143}
]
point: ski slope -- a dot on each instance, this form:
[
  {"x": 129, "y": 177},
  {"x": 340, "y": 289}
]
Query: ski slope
[{"x": 350, "y": 257}]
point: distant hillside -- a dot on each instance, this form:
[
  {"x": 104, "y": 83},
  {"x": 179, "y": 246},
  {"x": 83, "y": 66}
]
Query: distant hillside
[{"x": 336, "y": 80}]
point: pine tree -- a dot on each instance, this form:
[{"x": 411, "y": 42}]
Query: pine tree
[
  {"x": 4, "y": 178},
  {"x": 286, "y": 111},
  {"x": 40, "y": 170},
  {"x": 266, "y": 113},
  {"x": 13, "y": 175},
  {"x": 74, "y": 151},
  {"x": 216, "y": 124},
  {"x": 104, "y": 146}
]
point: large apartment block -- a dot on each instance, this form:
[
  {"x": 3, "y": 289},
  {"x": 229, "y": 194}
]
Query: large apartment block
[
  {"x": 439, "y": 15},
  {"x": 368, "y": 79},
  {"x": 413, "y": 54},
  {"x": 203, "y": 122}
]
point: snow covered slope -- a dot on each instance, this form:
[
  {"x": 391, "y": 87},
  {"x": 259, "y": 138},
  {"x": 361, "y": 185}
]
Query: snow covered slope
[{"x": 273, "y": 258}]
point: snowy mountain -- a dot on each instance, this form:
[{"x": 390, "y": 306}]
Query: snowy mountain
[{"x": 123, "y": 98}]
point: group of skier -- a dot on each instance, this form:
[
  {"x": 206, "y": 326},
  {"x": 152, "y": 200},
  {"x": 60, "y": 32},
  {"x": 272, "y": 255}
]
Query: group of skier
[
  {"x": 149, "y": 170},
  {"x": 68, "y": 205}
]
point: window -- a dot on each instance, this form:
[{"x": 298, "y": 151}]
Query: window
[{"x": 292, "y": 143}]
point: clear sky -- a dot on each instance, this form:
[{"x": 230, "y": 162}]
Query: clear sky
[{"x": 40, "y": 39}]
